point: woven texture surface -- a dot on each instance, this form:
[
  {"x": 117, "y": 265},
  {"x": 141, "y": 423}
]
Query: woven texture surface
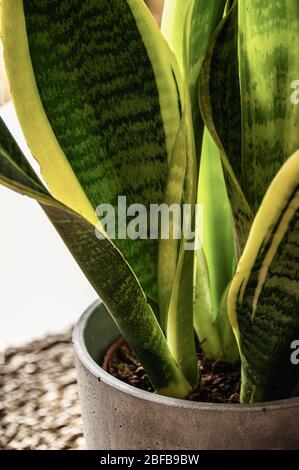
[{"x": 39, "y": 407}]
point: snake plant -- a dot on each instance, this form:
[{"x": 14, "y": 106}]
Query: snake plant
[{"x": 199, "y": 112}]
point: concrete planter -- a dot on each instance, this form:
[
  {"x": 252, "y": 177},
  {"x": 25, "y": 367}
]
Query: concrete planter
[{"x": 117, "y": 416}]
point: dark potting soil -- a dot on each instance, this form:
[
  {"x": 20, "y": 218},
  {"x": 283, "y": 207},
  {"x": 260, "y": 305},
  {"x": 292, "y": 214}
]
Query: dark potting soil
[{"x": 220, "y": 381}]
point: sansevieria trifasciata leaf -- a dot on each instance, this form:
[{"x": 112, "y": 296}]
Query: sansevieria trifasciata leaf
[
  {"x": 219, "y": 95},
  {"x": 265, "y": 290},
  {"x": 219, "y": 249},
  {"x": 94, "y": 90},
  {"x": 106, "y": 269},
  {"x": 202, "y": 19},
  {"x": 269, "y": 63},
  {"x": 264, "y": 296}
]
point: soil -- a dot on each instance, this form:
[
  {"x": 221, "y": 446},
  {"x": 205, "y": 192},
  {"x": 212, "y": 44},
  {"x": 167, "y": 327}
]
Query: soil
[{"x": 220, "y": 381}]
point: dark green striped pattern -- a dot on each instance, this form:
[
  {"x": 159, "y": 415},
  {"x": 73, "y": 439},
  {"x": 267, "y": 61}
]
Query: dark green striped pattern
[
  {"x": 105, "y": 268},
  {"x": 205, "y": 18},
  {"x": 225, "y": 99},
  {"x": 269, "y": 63},
  {"x": 267, "y": 333},
  {"x": 99, "y": 92},
  {"x": 219, "y": 96}
]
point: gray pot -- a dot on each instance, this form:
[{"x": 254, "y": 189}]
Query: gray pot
[{"x": 117, "y": 416}]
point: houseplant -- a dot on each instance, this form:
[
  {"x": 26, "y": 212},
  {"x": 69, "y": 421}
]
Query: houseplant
[{"x": 108, "y": 111}]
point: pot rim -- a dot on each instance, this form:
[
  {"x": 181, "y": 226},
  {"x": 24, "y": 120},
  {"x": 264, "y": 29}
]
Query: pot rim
[{"x": 87, "y": 361}]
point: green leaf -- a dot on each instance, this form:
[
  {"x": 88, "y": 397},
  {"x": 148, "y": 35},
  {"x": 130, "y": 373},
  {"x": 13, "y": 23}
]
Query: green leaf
[
  {"x": 202, "y": 19},
  {"x": 98, "y": 102},
  {"x": 229, "y": 346},
  {"x": 106, "y": 269},
  {"x": 176, "y": 270},
  {"x": 221, "y": 110},
  {"x": 269, "y": 63},
  {"x": 218, "y": 243},
  {"x": 180, "y": 188},
  {"x": 204, "y": 322},
  {"x": 173, "y": 27},
  {"x": 189, "y": 26},
  {"x": 180, "y": 330},
  {"x": 264, "y": 296},
  {"x": 218, "y": 246},
  {"x": 174, "y": 192}
]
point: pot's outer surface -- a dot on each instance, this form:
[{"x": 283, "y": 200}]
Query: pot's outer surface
[{"x": 117, "y": 416}]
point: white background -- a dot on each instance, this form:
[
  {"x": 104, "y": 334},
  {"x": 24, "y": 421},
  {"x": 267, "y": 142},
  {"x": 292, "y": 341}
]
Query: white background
[{"x": 42, "y": 289}]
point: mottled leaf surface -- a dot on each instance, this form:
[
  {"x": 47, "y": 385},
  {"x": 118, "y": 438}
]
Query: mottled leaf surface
[
  {"x": 264, "y": 296},
  {"x": 220, "y": 104},
  {"x": 106, "y": 269},
  {"x": 269, "y": 63},
  {"x": 110, "y": 99}
]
